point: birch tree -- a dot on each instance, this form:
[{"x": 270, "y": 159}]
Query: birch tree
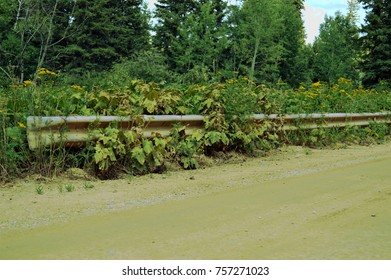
[
  {"x": 35, "y": 25},
  {"x": 257, "y": 31}
]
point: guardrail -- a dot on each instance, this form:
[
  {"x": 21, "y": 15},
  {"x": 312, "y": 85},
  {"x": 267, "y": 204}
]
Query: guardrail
[
  {"x": 74, "y": 131},
  {"x": 310, "y": 121}
]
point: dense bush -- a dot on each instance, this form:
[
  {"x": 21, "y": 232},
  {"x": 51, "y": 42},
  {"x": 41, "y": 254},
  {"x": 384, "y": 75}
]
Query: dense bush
[{"x": 227, "y": 108}]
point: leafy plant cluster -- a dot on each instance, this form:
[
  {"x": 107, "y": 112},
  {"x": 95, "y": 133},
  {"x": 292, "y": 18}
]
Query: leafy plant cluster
[{"x": 226, "y": 107}]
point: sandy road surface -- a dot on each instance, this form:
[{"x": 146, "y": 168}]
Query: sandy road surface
[{"x": 294, "y": 204}]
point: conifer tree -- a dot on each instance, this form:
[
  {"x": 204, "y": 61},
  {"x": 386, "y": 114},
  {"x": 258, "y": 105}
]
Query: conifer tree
[
  {"x": 299, "y": 4},
  {"x": 201, "y": 38},
  {"x": 104, "y": 31},
  {"x": 9, "y": 41},
  {"x": 170, "y": 15},
  {"x": 376, "y": 42},
  {"x": 292, "y": 63}
]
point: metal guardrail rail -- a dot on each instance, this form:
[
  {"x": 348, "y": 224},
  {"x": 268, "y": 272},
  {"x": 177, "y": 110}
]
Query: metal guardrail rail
[
  {"x": 310, "y": 121},
  {"x": 75, "y": 130}
]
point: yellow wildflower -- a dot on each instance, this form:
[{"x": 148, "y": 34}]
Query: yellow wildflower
[
  {"x": 28, "y": 83},
  {"x": 75, "y": 87},
  {"x": 317, "y": 84},
  {"x": 44, "y": 71},
  {"x": 344, "y": 81},
  {"x": 310, "y": 94},
  {"x": 22, "y": 125},
  {"x": 231, "y": 81}
]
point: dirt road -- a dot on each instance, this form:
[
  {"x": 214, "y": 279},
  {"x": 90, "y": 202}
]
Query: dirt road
[{"x": 294, "y": 204}]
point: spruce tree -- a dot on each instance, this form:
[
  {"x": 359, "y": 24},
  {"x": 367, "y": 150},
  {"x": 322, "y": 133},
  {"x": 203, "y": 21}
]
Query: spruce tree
[
  {"x": 170, "y": 15},
  {"x": 376, "y": 42},
  {"x": 103, "y": 32},
  {"x": 9, "y": 41},
  {"x": 299, "y": 4},
  {"x": 201, "y": 38},
  {"x": 293, "y": 43}
]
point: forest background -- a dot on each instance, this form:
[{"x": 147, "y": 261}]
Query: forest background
[
  {"x": 191, "y": 41},
  {"x": 101, "y": 57}
]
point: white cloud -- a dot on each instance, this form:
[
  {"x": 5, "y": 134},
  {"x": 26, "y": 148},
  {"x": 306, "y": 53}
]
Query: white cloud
[
  {"x": 313, "y": 17},
  {"x": 151, "y": 3}
]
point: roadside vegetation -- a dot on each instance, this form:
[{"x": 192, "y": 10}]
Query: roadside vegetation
[
  {"x": 64, "y": 58},
  {"x": 227, "y": 107}
]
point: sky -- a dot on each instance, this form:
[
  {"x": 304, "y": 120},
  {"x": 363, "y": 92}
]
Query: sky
[
  {"x": 316, "y": 10},
  {"x": 314, "y": 13}
]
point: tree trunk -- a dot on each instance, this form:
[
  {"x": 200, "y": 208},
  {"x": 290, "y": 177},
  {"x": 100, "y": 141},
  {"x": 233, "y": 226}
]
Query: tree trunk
[{"x": 254, "y": 59}]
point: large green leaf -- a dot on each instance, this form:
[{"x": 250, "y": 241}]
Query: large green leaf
[
  {"x": 150, "y": 105},
  {"x": 197, "y": 134},
  {"x": 160, "y": 142},
  {"x": 147, "y": 147},
  {"x": 138, "y": 154}
]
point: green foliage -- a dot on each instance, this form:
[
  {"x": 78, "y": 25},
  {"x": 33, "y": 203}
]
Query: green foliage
[
  {"x": 194, "y": 42},
  {"x": 227, "y": 109},
  {"x": 378, "y": 131},
  {"x": 201, "y": 38},
  {"x": 14, "y": 153},
  {"x": 8, "y": 41},
  {"x": 39, "y": 189},
  {"x": 255, "y": 48},
  {"x": 70, "y": 36},
  {"x": 336, "y": 49},
  {"x": 115, "y": 148},
  {"x": 102, "y": 32},
  {"x": 149, "y": 66},
  {"x": 293, "y": 65},
  {"x": 105, "y": 65},
  {"x": 343, "y": 96},
  {"x": 376, "y": 42},
  {"x": 185, "y": 148},
  {"x": 69, "y": 187},
  {"x": 88, "y": 185},
  {"x": 170, "y": 15},
  {"x": 108, "y": 147},
  {"x": 320, "y": 137}
]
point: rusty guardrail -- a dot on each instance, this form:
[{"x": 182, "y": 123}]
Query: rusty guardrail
[
  {"x": 74, "y": 130},
  {"x": 310, "y": 121}
]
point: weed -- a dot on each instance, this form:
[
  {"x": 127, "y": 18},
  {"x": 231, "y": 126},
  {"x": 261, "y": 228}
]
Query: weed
[
  {"x": 69, "y": 188},
  {"x": 378, "y": 131},
  {"x": 307, "y": 151},
  {"x": 39, "y": 189},
  {"x": 89, "y": 185}
]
